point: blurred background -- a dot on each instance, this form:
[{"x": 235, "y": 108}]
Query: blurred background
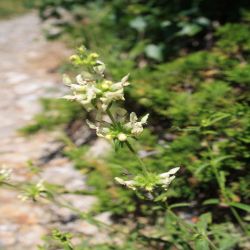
[{"x": 189, "y": 65}]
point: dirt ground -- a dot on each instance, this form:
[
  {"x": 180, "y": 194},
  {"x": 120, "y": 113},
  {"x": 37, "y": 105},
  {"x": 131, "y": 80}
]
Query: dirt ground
[{"x": 28, "y": 71}]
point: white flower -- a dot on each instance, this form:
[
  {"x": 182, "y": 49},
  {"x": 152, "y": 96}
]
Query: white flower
[
  {"x": 168, "y": 177},
  {"x": 100, "y": 67},
  {"x": 135, "y": 125},
  {"x": 66, "y": 80},
  {"x": 129, "y": 184},
  {"x": 123, "y": 83},
  {"x": 122, "y": 137},
  {"x": 114, "y": 92},
  {"x": 34, "y": 191},
  {"x": 5, "y": 173},
  {"x": 23, "y": 197},
  {"x": 83, "y": 91},
  {"x": 40, "y": 186},
  {"x": 87, "y": 90},
  {"x": 100, "y": 130},
  {"x": 150, "y": 182}
]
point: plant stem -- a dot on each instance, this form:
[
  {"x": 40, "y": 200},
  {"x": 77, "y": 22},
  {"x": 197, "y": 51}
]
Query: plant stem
[
  {"x": 87, "y": 216},
  {"x": 130, "y": 147},
  {"x": 10, "y": 185},
  {"x": 111, "y": 116},
  {"x": 225, "y": 196},
  {"x": 238, "y": 218}
]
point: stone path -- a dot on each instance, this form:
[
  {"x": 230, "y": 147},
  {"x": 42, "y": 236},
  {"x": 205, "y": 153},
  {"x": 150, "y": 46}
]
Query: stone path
[{"x": 28, "y": 72}]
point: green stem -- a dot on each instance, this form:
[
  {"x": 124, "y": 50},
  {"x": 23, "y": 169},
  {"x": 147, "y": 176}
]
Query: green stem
[
  {"x": 130, "y": 147},
  {"x": 111, "y": 116},
  {"x": 87, "y": 216},
  {"x": 233, "y": 210},
  {"x": 10, "y": 185},
  {"x": 80, "y": 213},
  {"x": 238, "y": 218},
  {"x": 227, "y": 199}
]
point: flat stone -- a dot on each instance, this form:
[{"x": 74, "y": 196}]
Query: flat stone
[
  {"x": 99, "y": 148},
  {"x": 79, "y": 202},
  {"x": 30, "y": 236},
  {"x": 104, "y": 217},
  {"x": 83, "y": 227},
  {"x": 65, "y": 174}
]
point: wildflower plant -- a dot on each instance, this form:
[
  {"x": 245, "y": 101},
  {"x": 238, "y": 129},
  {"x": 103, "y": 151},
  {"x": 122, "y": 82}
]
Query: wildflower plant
[
  {"x": 96, "y": 93},
  {"x": 5, "y": 174},
  {"x": 35, "y": 191}
]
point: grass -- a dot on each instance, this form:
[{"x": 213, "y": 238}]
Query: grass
[{"x": 10, "y": 8}]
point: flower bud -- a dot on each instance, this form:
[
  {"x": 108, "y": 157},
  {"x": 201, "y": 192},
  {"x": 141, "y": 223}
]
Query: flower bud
[
  {"x": 100, "y": 67},
  {"x": 106, "y": 85},
  {"x": 82, "y": 50},
  {"x": 66, "y": 80},
  {"x": 109, "y": 137},
  {"x": 73, "y": 58},
  {"x": 122, "y": 137},
  {"x": 5, "y": 174}
]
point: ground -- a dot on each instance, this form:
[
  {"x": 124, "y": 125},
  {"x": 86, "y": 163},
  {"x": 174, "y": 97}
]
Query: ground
[{"x": 28, "y": 71}]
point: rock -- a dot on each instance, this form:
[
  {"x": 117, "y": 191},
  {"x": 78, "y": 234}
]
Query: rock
[
  {"x": 79, "y": 204},
  {"x": 61, "y": 172},
  {"x": 99, "y": 148},
  {"x": 30, "y": 236},
  {"x": 83, "y": 227},
  {"x": 80, "y": 133},
  {"x": 7, "y": 231},
  {"x": 104, "y": 217}
]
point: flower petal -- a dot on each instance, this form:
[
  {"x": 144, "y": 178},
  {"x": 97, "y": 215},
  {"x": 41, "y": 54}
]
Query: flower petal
[
  {"x": 144, "y": 119},
  {"x": 66, "y": 80}
]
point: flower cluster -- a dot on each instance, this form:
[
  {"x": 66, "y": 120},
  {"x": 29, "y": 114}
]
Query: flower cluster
[
  {"x": 5, "y": 174},
  {"x": 150, "y": 181},
  {"x": 34, "y": 191},
  {"x": 120, "y": 130},
  {"x": 95, "y": 93},
  {"x": 134, "y": 126},
  {"x": 90, "y": 88}
]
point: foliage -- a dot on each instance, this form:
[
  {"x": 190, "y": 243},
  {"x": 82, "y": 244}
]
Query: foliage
[
  {"x": 9, "y": 8},
  {"x": 157, "y": 29},
  {"x": 191, "y": 73}
]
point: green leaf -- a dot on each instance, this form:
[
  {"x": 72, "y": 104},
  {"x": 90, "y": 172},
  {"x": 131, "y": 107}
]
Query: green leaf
[
  {"x": 211, "y": 202},
  {"x": 201, "y": 168},
  {"x": 202, "y": 21},
  {"x": 221, "y": 158},
  {"x": 183, "y": 204},
  {"x": 214, "y": 119},
  {"x": 239, "y": 205},
  {"x": 139, "y": 24},
  {"x": 189, "y": 29},
  {"x": 154, "y": 52},
  {"x": 203, "y": 222},
  {"x": 201, "y": 244}
]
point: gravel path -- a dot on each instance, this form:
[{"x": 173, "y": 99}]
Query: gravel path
[{"x": 28, "y": 72}]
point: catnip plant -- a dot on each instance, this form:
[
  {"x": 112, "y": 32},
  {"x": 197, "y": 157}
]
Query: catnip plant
[{"x": 96, "y": 93}]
